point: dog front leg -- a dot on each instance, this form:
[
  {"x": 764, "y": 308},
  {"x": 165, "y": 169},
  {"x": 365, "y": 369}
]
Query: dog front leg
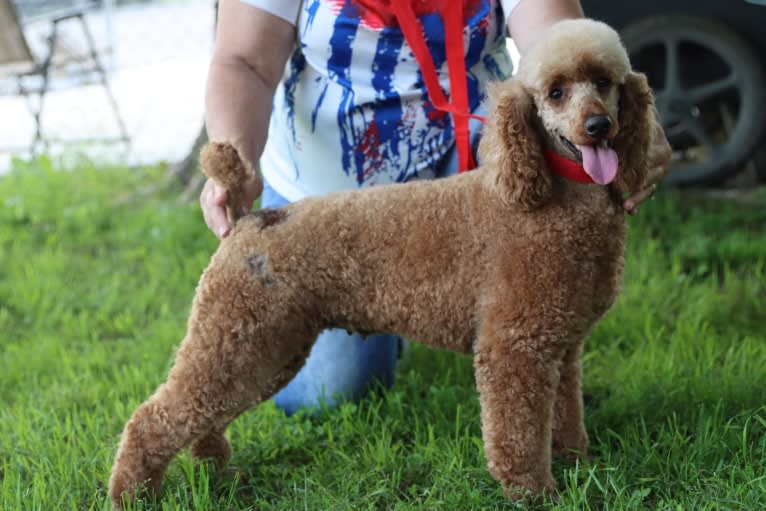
[
  {"x": 517, "y": 380},
  {"x": 570, "y": 440}
]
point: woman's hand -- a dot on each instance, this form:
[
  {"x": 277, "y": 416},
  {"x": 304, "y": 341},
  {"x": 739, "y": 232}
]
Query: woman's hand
[
  {"x": 660, "y": 154},
  {"x": 213, "y": 202},
  {"x": 252, "y": 47}
]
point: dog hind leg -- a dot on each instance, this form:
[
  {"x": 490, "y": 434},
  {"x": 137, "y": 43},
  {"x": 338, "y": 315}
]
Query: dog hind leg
[
  {"x": 242, "y": 345},
  {"x": 185, "y": 410},
  {"x": 158, "y": 429},
  {"x": 214, "y": 445}
]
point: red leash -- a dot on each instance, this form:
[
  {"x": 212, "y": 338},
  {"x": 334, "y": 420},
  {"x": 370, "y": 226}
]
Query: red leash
[{"x": 452, "y": 17}]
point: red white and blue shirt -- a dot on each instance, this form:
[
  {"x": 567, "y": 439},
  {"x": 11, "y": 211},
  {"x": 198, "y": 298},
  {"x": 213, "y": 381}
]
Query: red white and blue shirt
[{"x": 352, "y": 109}]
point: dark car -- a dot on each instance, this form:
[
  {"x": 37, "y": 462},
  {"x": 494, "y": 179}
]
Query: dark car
[{"x": 705, "y": 60}]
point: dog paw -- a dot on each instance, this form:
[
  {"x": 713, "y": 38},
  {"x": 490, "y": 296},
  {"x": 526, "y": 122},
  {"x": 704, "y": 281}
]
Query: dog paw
[
  {"x": 529, "y": 487},
  {"x": 126, "y": 487},
  {"x": 570, "y": 447},
  {"x": 214, "y": 447},
  {"x": 571, "y": 455}
]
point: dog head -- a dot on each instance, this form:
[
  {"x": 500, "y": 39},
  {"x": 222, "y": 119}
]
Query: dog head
[{"x": 576, "y": 95}]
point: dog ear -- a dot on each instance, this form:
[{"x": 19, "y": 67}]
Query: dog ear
[
  {"x": 511, "y": 149},
  {"x": 633, "y": 141}
]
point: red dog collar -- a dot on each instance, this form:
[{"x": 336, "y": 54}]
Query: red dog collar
[{"x": 566, "y": 168}]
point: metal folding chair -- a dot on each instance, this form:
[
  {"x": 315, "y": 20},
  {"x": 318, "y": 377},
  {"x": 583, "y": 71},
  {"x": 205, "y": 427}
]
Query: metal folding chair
[{"x": 33, "y": 77}]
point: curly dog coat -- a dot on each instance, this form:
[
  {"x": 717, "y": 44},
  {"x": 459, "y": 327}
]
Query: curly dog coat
[{"x": 511, "y": 262}]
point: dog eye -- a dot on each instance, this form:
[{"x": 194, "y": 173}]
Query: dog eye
[
  {"x": 603, "y": 83},
  {"x": 555, "y": 94}
]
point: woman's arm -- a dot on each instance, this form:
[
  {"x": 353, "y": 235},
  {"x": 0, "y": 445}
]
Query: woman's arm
[{"x": 251, "y": 49}]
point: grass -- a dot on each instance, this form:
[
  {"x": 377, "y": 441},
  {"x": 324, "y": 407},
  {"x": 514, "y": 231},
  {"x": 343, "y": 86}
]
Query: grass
[{"x": 96, "y": 278}]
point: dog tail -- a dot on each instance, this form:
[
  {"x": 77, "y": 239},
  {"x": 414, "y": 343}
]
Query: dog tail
[{"x": 221, "y": 162}]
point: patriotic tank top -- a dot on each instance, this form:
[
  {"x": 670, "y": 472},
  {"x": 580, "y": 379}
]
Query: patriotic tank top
[{"x": 352, "y": 110}]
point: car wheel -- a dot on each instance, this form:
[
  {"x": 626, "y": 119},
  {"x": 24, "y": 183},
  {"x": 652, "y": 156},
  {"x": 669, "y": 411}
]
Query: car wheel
[{"x": 710, "y": 91}]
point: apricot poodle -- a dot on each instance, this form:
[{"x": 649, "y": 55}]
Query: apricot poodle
[{"x": 514, "y": 262}]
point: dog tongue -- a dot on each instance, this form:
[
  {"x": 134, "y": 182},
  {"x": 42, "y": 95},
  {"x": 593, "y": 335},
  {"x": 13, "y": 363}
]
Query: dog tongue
[{"x": 599, "y": 162}]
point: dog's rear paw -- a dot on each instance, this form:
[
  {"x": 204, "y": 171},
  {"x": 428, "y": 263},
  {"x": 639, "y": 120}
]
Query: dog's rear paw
[
  {"x": 213, "y": 447},
  {"x": 127, "y": 487}
]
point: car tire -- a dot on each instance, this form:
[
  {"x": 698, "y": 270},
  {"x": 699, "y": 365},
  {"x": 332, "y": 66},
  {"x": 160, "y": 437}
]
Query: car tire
[{"x": 710, "y": 91}]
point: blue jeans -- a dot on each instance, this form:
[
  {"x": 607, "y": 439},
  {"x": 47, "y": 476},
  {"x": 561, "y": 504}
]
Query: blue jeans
[{"x": 342, "y": 365}]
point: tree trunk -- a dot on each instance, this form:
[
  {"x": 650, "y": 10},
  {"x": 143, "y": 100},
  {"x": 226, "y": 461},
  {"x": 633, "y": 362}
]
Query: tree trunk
[{"x": 188, "y": 172}]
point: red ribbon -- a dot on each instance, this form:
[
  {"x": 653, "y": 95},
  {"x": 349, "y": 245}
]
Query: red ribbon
[{"x": 452, "y": 15}]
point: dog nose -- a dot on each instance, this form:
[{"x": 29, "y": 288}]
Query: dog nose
[{"x": 597, "y": 125}]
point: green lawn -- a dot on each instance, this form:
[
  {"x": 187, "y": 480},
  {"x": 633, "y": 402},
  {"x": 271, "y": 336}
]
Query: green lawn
[{"x": 97, "y": 272}]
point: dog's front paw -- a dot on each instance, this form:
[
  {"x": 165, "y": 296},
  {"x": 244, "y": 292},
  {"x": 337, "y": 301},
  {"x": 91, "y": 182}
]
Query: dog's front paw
[{"x": 529, "y": 487}]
